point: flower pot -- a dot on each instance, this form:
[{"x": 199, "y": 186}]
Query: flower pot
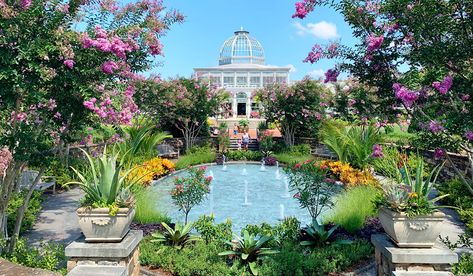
[
  {"x": 420, "y": 231},
  {"x": 98, "y": 225}
]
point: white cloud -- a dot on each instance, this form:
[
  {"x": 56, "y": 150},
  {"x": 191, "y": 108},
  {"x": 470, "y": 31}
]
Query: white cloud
[
  {"x": 293, "y": 68},
  {"x": 322, "y": 30},
  {"x": 317, "y": 73}
]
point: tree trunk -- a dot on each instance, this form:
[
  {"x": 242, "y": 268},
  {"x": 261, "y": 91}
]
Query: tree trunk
[
  {"x": 21, "y": 211},
  {"x": 7, "y": 188},
  {"x": 288, "y": 136}
]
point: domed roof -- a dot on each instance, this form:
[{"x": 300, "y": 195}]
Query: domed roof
[{"x": 241, "y": 48}]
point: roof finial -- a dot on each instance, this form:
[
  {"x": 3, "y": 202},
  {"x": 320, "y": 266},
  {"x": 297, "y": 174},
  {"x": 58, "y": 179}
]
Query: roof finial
[{"x": 241, "y": 28}]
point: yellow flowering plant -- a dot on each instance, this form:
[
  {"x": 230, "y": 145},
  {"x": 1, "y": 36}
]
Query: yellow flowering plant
[
  {"x": 151, "y": 170},
  {"x": 349, "y": 175}
]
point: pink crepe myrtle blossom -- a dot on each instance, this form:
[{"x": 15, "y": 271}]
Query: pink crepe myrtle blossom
[
  {"x": 109, "y": 67},
  {"x": 315, "y": 54},
  {"x": 374, "y": 42},
  {"x": 18, "y": 116},
  {"x": 25, "y": 4},
  {"x": 465, "y": 97},
  {"x": 408, "y": 97},
  {"x": 331, "y": 75},
  {"x": 444, "y": 86},
  {"x": 69, "y": 63},
  {"x": 303, "y": 8}
]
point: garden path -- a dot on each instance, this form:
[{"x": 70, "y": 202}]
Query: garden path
[{"x": 57, "y": 220}]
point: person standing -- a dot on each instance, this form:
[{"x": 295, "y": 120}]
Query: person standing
[
  {"x": 246, "y": 139},
  {"x": 235, "y": 131}
]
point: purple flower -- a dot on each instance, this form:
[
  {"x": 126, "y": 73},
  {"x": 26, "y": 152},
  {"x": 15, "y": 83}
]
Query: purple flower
[
  {"x": 331, "y": 75},
  {"x": 465, "y": 97},
  {"x": 69, "y": 63},
  {"x": 408, "y": 97},
  {"x": 468, "y": 135},
  {"x": 439, "y": 153},
  {"x": 443, "y": 86},
  {"x": 436, "y": 127},
  {"x": 377, "y": 151}
]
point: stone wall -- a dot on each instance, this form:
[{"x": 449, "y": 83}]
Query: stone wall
[{"x": 179, "y": 143}]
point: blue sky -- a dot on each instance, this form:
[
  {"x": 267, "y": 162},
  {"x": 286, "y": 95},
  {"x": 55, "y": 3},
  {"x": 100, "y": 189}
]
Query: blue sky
[{"x": 286, "y": 41}]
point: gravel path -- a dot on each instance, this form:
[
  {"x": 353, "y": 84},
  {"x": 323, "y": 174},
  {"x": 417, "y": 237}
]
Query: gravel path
[{"x": 57, "y": 221}]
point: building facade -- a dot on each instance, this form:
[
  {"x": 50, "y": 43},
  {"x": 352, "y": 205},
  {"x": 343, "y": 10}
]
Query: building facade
[{"x": 242, "y": 69}]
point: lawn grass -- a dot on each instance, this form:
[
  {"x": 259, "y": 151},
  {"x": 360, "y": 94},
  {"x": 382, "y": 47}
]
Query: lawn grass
[{"x": 195, "y": 158}]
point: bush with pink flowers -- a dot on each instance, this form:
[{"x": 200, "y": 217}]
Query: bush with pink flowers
[{"x": 190, "y": 190}]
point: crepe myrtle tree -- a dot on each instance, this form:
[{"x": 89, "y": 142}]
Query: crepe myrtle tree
[
  {"x": 183, "y": 103},
  {"x": 432, "y": 41},
  {"x": 294, "y": 107},
  {"x": 55, "y": 80}
]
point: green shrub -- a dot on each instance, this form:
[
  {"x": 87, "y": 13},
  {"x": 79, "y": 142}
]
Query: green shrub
[
  {"x": 464, "y": 265},
  {"x": 290, "y": 158},
  {"x": 31, "y": 213},
  {"x": 301, "y": 149},
  {"x": 49, "y": 256},
  {"x": 287, "y": 230},
  {"x": 293, "y": 260},
  {"x": 196, "y": 156},
  {"x": 353, "y": 207},
  {"x": 146, "y": 208},
  {"x": 212, "y": 232},
  {"x": 459, "y": 198},
  {"x": 238, "y": 155},
  {"x": 197, "y": 259}
]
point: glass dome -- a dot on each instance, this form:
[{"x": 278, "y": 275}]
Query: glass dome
[{"x": 241, "y": 49}]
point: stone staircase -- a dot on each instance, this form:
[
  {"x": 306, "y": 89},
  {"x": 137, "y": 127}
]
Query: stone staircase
[{"x": 253, "y": 145}]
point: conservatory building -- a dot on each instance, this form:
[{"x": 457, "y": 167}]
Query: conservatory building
[{"x": 242, "y": 69}]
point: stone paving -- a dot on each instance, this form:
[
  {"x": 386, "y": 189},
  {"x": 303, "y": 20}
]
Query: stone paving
[
  {"x": 8, "y": 268},
  {"x": 57, "y": 221}
]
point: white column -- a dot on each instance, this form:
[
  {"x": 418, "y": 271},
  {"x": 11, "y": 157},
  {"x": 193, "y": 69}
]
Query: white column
[
  {"x": 261, "y": 79},
  {"x": 234, "y": 105},
  {"x": 248, "y": 105}
]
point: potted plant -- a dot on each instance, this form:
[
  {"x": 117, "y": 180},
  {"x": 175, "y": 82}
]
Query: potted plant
[
  {"x": 106, "y": 211},
  {"x": 243, "y": 125},
  {"x": 409, "y": 217}
]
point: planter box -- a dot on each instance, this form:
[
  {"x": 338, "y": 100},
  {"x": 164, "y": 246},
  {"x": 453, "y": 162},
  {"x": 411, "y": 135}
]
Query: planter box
[
  {"x": 98, "y": 225},
  {"x": 417, "y": 232}
]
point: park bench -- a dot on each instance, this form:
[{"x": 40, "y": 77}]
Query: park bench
[
  {"x": 27, "y": 178},
  {"x": 165, "y": 150}
]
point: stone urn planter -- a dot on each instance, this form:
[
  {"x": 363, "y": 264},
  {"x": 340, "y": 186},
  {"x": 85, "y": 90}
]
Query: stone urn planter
[
  {"x": 98, "y": 225},
  {"x": 417, "y": 232}
]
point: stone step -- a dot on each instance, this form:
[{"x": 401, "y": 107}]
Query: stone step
[
  {"x": 422, "y": 273},
  {"x": 98, "y": 270}
]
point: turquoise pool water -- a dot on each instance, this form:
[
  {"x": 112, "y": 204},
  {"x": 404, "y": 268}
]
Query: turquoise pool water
[{"x": 244, "y": 193}]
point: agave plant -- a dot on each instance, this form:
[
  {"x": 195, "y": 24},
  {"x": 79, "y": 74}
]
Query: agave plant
[
  {"x": 178, "y": 237},
  {"x": 104, "y": 182},
  {"x": 248, "y": 249},
  {"x": 318, "y": 236}
]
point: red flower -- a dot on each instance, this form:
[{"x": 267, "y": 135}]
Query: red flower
[
  {"x": 297, "y": 166},
  {"x": 298, "y": 195},
  {"x": 209, "y": 178}
]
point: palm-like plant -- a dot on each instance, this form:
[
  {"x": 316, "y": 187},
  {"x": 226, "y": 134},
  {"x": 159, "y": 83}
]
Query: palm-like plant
[
  {"x": 248, "y": 249},
  {"x": 178, "y": 237},
  {"x": 103, "y": 182},
  {"x": 318, "y": 236},
  {"x": 141, "y": 141},
  {"x": 333, "y": 135}
]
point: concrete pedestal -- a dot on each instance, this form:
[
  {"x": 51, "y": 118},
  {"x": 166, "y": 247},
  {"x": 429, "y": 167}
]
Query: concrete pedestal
[
  {"x": 392, "y": 260},
  {"x": 119, "y": 258}
]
